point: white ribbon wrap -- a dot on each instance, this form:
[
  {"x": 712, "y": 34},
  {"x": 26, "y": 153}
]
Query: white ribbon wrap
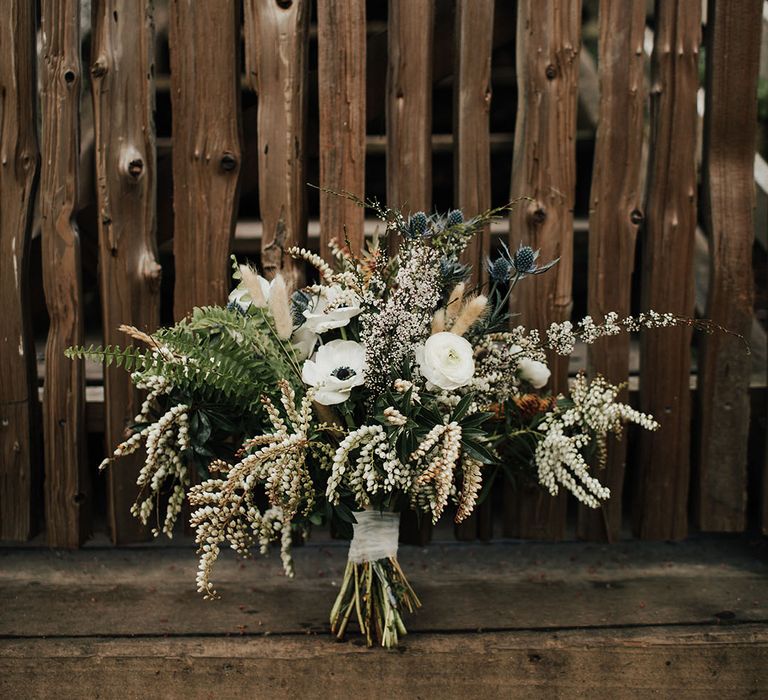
[{"x": 375, "y": 536}]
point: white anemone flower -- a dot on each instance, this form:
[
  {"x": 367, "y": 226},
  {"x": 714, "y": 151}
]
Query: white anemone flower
[
  {"x": 534, "y": 372},
  {"x": 332, "y": 308},
  {"x": 446, "y": 361},
  {"x": 336, "y": 369},
  {"x": 304, "y": 341}
]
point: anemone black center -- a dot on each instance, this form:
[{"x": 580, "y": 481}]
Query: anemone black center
[{"x": 343, "y": 373}]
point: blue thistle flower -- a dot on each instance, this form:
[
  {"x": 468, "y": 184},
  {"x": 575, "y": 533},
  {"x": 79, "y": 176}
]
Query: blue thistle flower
[
  {"x": 499, "y": 270},
  {"x": 418, "y": 225},
  {"x": 525, "y": 259},
  {"x": 455, "y": 217}
]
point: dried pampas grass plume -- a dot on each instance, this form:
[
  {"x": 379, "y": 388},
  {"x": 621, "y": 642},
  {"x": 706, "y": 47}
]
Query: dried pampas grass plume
[
  {"x": 470, "y": 313},
  {"x": 454, "y": 301},
  {"x": 280, "y": 306},
  {"x": 438, "y": 321},
  {"x": 251, "y": 281}
]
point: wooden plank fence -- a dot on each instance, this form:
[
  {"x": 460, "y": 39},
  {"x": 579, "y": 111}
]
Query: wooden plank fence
[{"x": 332, "y": 96}]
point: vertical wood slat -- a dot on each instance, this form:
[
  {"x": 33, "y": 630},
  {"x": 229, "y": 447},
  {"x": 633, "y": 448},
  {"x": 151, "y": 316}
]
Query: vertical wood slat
[
  {"x": 544, "y": 168},
  {"x": 66, "y": 477},
  {"x": 472, "y": 160},
  {"x": 19, "y": 159},
  {"x": 205, "y": 98},
  {"x": 615, "y": 213},
  {"x": 409, "y": 140},
  {"x": 123, "y": 103},
  {"x": 276, "y": 41},
  {"x": 341, "y": 38},
  {"x": 733, "y": 61},
  {"x": 409, "y": 104},
  {"x": 660, "y": 507}
]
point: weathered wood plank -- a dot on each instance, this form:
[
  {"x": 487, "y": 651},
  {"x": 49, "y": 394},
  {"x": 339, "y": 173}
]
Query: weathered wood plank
[
  {"x": 733, "y": 60},
  {"x": 463, "y": 586},
  {"x": 409, "y": 104},
  {"x": 205, "y": 96},
  {"x": 615, "y": 213},
  {"x": 341, "y": 45},
  {"x": 19, "y": 160},
  {"x": 276, "y": 43},
  {"x": 410, "y": 35},
  {"x": 686, "y": 663},
  {"x": 125, "y": 189},
  {"x": 471, "y": 110},
  {"x": 67, "y": 499},
  {"x": 472, "y": 155},
  {"x": 660, "y": 509},
  {"x": 544, "y": 169}
]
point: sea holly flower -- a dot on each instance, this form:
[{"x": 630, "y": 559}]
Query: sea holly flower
[
  {"x": 446, "y": 361},
  {"x": 517, "y": 266},
  {"x": 333, "y": 308},
  {"x": 336, "y": 369},
  {"x": 417, "y": 226},
  {"x": 455, "y": 218}
]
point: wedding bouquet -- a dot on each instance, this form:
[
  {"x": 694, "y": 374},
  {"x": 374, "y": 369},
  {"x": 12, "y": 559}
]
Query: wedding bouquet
[{"x": 389, "y": 384}]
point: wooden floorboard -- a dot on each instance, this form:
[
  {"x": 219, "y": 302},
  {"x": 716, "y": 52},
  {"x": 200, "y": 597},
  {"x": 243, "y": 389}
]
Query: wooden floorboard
[{"x": 502, "y": 620}]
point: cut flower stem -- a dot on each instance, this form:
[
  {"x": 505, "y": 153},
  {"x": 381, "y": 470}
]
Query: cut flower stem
[{"x": 380, "y": 593}]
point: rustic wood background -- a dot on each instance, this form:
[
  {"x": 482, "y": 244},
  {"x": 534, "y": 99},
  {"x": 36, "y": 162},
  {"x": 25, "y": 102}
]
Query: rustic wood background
[{"x": 141, "y": 142}]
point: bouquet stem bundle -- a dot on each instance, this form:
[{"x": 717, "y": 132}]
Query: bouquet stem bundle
[
  {"x": 374, "y": 585},
  {"x": 378, "y": 591}
]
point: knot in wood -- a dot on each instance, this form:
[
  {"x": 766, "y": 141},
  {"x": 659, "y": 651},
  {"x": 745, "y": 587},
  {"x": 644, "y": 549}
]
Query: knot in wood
[
  {"x": 99, "y": 69},
  {"x": 69, "y": 76},
  {"x": 228, "y": 162},
  {"x": 537, "y": 214},
  {"x": 636, "y": 217},
  {"x": 135, "y": 168},
  {"x": 284, "y": 4},
  {"x": 550, "y": 71}
]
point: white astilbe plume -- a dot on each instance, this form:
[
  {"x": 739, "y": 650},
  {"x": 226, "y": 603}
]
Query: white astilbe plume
[
  {"x": 436, "y": 459},
  {"x": 568, "y": 431},
  {"x": 472, "y": 480},
  {"x": 226, "y": 509}
]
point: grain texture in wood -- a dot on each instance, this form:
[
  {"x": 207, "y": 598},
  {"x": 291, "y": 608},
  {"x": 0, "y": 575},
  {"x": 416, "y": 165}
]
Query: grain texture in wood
[
  {"x": 544, "y": 170},
  {"x": 661, "y": 493},
  {"x": 615, "y": 214},
  {"x": 472, "y": 161},
  {"x": 733, "y": 58},
  {"x": 67, "y": 491},
  {"x": 341, "y": 43},
  {"x": 205, "y": 96},
  {"x": 471, "y": 114},
  {"x": 123, "y": 103},
  {"x": 276, "y": 43},
  {"x": 19, "y": 160},
  {"x": 686, "y": 663},
  {"x": 409, "y": 105}
]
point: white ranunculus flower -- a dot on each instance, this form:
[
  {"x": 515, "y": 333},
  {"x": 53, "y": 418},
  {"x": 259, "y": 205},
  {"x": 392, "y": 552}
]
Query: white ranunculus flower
[
  {"x": 534, "y": 372},
  {"x": 304, "y": 341},
  {"x": 446, "y": 361},
  {"x": 333, "y": 308},
  {"x": 240, "y": 296},
  {"x": 336, "y": 369}
]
